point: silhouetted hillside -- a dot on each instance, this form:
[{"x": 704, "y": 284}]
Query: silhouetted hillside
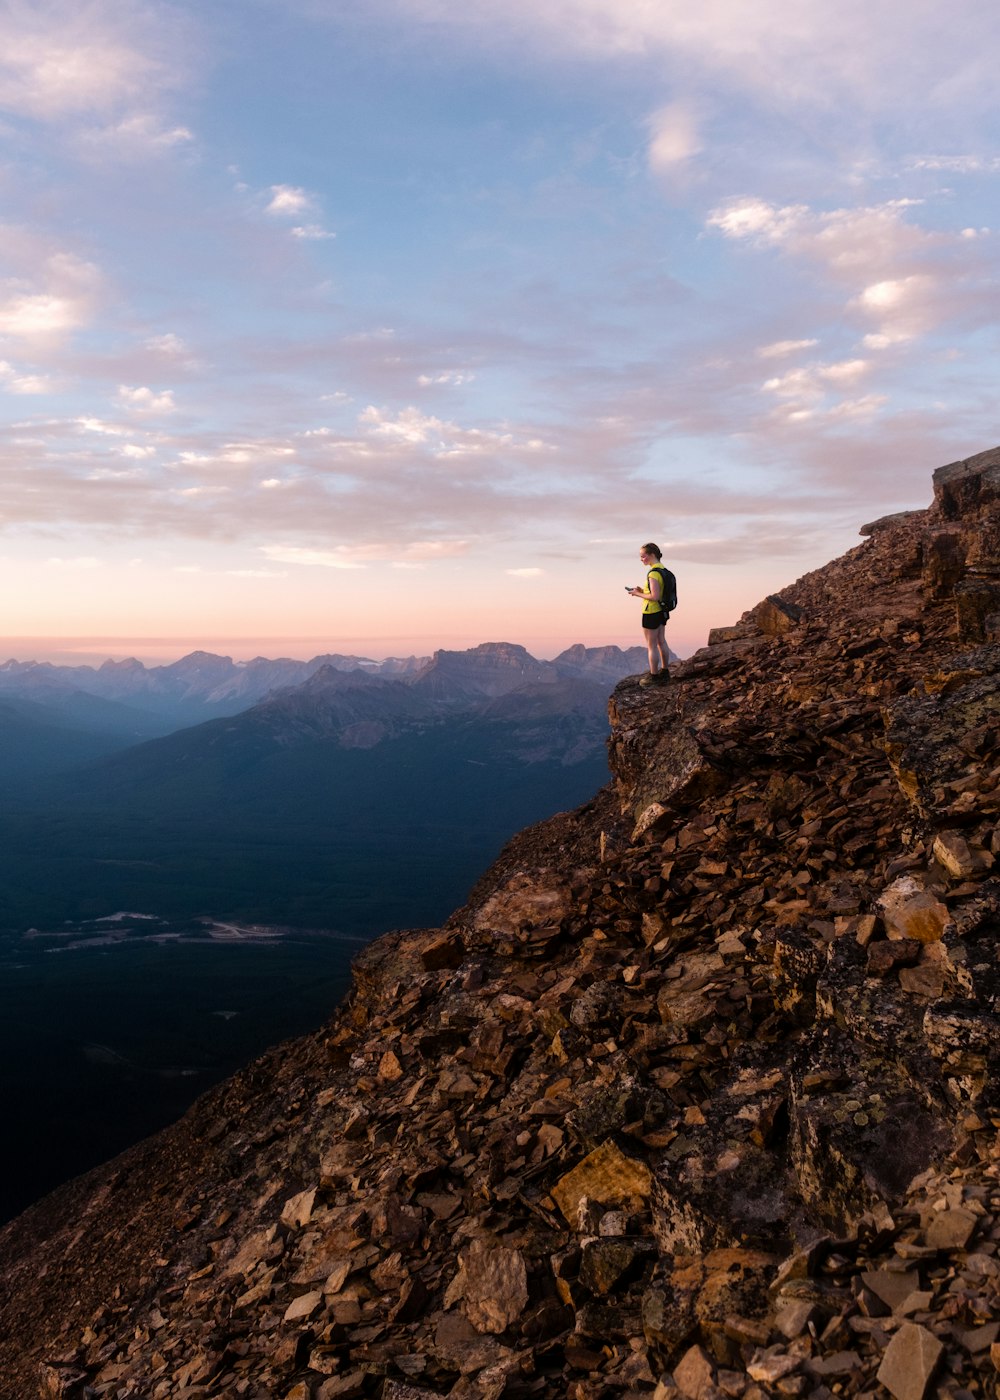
[{"x": 286, "y": 811}]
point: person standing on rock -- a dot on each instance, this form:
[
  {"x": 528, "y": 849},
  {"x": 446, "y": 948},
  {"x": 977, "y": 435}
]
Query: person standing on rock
[{"x": 654, "y": 615}]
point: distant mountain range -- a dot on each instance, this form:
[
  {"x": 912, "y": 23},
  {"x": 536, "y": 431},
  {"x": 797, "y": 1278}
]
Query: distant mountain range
[
  {"x": 203, "y": 686},
  {"x": 53, "y": 718},
  {"x": 197, "y": 687},
  {"x": 338, "y": 792}
]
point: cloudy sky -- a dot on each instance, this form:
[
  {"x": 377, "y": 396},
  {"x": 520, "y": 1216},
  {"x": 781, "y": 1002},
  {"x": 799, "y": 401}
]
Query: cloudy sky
[{"x": 403, "y": 324}]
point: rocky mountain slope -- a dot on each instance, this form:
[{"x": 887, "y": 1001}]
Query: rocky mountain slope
[
  {"x": 38, "y": 737},
  {"x": 696, "y": 1096}
]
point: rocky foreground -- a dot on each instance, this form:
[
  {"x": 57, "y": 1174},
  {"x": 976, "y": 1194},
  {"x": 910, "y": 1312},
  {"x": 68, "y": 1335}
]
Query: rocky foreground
[{"x": 696, "y": 1097}]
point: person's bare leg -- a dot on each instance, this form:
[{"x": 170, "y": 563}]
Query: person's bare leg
[
  {"x": 659, "y": 657},
  {"x": 664, "y": 650},
  {"x": 653, "y": 650}
]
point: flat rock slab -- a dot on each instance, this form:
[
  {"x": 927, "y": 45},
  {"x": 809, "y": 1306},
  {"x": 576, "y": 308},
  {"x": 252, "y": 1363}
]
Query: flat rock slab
[
  {"x": 605, "y": 1175},
  {"x": 909, "y": 1362},
  {"x": 493, "y": 1283},
  {"x": 951, "y": 1229},
  {"x": 892, "y": 1287}
]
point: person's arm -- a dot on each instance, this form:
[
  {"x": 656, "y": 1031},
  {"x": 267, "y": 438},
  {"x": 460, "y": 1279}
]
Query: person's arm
[{"x": 655, "y": 592}]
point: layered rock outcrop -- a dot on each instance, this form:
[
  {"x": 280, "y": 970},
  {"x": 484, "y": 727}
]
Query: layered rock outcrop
[{"x": 697, "y": 1096}]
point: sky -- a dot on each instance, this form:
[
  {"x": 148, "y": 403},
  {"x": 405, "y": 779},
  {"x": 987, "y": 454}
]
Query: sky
[{"x": 384, "y": 327}]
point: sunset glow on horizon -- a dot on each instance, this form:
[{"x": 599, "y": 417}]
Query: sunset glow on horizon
[{"x": 402, "y": 326}]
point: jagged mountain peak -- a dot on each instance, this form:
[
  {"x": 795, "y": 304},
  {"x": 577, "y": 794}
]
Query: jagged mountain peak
[
  {"x": 499, "y": 655},
  {"x": 600, "y": 663},
  {"x": 127, "y": 664},
  {"x": 13, "y": 667},
  {"x": 492, "y": 668},
  {"x": 198, "y": 663},
  {"x": 578, "y": 653}
]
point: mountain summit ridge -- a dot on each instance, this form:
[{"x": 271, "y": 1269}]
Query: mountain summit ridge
[
  {"x": 696, "y": 1096},
  {"x": 203, "y": 684}
]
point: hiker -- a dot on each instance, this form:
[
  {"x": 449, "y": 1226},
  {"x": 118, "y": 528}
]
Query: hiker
[{"x": 654, "y": 615}]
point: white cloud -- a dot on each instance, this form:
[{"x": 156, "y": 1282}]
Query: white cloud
[
  {"x": 956, "y": 165},
  {"x": 60, "y": 58},
  {"x": 133, "y": 450},
  {"x": 848, "y": 242},
  {"x": 16, "y": 383},
  {"x": 53, "y": 299},
  {"x": 885, "y": 296},
  {"x": 410, "y": 425},
  {"x": 292, "y": 202},
  {"x": 865, "y": 407},
  {"x": 135, "y": 137},
  {"x": 903, "y": 308},
  {"x": 443, "y": 438},
  {"x": 301, "y": 554},
  {"x": 756, "y": 219},
  {"x": 673, "y": 137},
  {"x": 779, "y": 349},
  {"x": 853, "y": 56},
  {"x": 36, "y": 315},
  {"x": 525, "y": 573},
  {"x": 143, "y": 400},
  {"x": 844, "y": 371},
  {"x": 811, "y": 381},
  {"x": 168, "y": 344},
  {"x": 454, "y": 377},
  {"x": 849, "y": 410},
  {"x": 809, "y": 391},
  {"x": 288, "y": 200},
  {"x": 311, "y": 232},
  {"x": 358, "y": 556},
  {"x": 98, "y": 425},
  {"x": 895, "y": 273}
]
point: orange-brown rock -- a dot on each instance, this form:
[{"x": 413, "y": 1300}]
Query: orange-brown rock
[{"x": 697, "y": 1096}]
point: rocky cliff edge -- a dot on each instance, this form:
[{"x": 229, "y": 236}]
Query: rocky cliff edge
[{"x": 696, "y": 1097}]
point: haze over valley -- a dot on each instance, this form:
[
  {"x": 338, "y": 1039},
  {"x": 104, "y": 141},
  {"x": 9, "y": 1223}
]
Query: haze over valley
[{"x": 304, "y": 806}]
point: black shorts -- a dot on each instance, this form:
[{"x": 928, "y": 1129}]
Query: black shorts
[{"x": 651, "y": 621}]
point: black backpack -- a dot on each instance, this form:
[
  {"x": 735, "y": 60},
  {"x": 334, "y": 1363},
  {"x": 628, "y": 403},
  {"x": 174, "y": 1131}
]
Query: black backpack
[{"x": 668, "y": 586}]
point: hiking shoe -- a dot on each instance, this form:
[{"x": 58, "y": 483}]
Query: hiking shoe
[{"x": 655, "y": 678}]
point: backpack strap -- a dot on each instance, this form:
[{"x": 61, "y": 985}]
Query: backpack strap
[{"x": 668, "y": 595}]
